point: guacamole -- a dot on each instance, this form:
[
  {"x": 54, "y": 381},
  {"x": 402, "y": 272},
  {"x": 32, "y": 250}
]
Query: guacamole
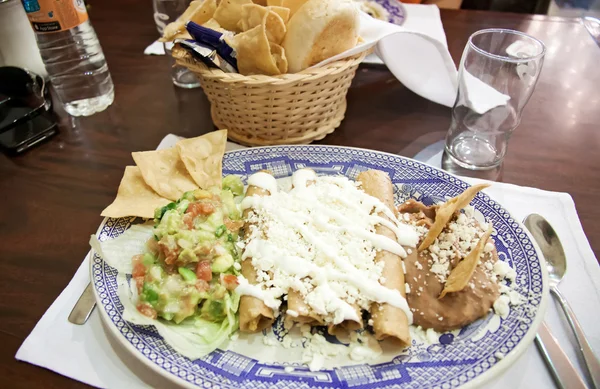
[{"x": 192, "y": 261}]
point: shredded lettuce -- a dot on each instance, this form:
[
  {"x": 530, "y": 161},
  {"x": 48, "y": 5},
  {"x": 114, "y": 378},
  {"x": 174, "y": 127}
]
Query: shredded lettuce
[
  {"x": 119, "y": 251},
  {"x": 192, "y": 338}
]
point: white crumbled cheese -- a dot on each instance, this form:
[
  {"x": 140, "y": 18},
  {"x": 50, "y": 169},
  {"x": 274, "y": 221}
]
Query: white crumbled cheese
[
  {"x": 488, "y": 248},
  {"x": 404, "y": 266},
  {"x": 286, "y": 342},
  {"x": 289, "y": 369},
  {"x": 503, "y": 270},
  {"x": 429, "y": 336},
  {"x": 462, "y": 235},
  {"x": 501, "y": 306},
  {"x": 322, "y": 243},
  {"x": 418, "y": 265},
  {"x": 515, "y": 297},
  {"x": 370, "y": 322},
  {"x": 291, "y": 312},
  {"x": 407, "y": 288},
  {"x": 269, "y": 341}
]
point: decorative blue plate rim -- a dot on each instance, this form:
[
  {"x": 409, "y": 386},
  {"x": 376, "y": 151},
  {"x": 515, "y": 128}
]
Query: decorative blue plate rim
[
  {"x": 100, "y": 272},
  {"x": 397, "y": 12}
]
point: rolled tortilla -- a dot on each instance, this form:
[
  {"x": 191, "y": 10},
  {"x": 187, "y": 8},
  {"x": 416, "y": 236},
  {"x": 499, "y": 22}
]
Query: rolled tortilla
[
  {"x": 255, "y": 316},
  {"x": 305, "y": 314},
  {"x": 389, "y": 322},
  {"x": 347, "y": 326},
  {"x": 295, "y": 300}
]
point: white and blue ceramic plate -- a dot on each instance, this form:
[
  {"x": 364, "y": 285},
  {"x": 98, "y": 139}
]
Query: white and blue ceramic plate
[
  {"x": 394, "y": 8},
  {"x": 467, "y": 358}
]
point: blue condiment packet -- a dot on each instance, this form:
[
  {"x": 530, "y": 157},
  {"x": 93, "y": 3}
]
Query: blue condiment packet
[
  {"x": 205, "y": 53},
  {"x": 215, "y": 39}
]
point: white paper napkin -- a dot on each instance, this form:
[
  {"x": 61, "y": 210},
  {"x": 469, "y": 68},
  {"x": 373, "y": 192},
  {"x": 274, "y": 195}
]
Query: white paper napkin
[{"x": 85, "y": 352}]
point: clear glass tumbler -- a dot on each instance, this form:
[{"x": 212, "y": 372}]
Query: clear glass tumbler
[
  {"x": 498, "y": 72},
  {"x": 165, "y": 12}
]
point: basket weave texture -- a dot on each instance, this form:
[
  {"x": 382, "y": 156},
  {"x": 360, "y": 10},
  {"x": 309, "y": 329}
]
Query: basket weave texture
[{"x": 263, "y": 110}]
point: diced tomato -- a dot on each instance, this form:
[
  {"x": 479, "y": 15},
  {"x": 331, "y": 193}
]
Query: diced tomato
[
  {"x": 188, "y": 220},
  {"x": 139, "y": 283},
  {"x": 147, "y": 310},
  {"x": 139, "y": 270},
  {"x": 202, "y": 286},
  {"x": 233, "y": 225},
  {"x": 170, "y": 253},
  {"x": 200, "y": 208},
  {"x": 152, "y": 245},
  {"x": 203, "y": 271},
  {"x": 229, "y": 281}
]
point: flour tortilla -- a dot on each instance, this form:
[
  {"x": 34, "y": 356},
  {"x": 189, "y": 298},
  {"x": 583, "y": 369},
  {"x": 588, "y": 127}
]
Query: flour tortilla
[
  {"x": 164, "y": 172},
  {"x": 203, "y": 157},
  {"x": 134, "y": 197},
  {"x": 318, "y": 30}
]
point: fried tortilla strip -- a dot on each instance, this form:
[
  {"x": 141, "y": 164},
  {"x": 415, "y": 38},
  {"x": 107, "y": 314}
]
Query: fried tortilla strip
[
  {"x": 389, "y": 322},
  {"x": 164, "y": 172},
  {"x": 255, "y": 316},
  {"x": 459, "y": 276},
  {"x": 203, "y": 157},
  {"x": 445, "y": 211},
  {"x": 134, "y": 197}
]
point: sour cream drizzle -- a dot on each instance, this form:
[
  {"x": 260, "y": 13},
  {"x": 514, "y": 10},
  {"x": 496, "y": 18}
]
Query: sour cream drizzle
[{"x": 354, "y": 214}]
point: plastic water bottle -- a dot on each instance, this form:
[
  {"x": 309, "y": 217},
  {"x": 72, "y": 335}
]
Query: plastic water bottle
[{"x": 72, "y": 54}]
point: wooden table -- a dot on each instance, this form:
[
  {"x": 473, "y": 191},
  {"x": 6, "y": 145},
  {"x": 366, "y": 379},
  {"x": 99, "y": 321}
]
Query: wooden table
[{"x": 53, "y": 195}]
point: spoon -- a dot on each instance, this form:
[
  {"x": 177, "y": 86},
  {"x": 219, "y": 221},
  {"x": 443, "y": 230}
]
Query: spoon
[{"x": 556, "y": 263}]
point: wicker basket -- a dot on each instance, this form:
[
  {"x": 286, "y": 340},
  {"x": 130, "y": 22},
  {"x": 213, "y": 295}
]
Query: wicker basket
[{"x": 270, "y": 110}]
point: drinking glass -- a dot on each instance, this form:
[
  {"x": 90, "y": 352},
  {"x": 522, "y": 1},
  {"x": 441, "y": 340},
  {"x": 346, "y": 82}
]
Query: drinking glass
[
  {"x": 165, "y": 12},
  {"x": 498, "y": 72}
]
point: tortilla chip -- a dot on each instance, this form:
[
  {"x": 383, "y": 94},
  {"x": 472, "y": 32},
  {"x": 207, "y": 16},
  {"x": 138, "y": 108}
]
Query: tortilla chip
[
  {"x": 293, "y": 5},
  {"x": 183, "y": 35},
  {"x": 214, "y": 25},
  {"x": 260, "y": 2},
  {"x": 254, "y": 15},
  {"x": 278, "y": 53},
  {"x": 275, "y": 3},
  {"x": 229, "y": 13},
  {"x": 134, "y": 197},
  {"x": 445, "y": 211},
  {"x": 205, "y": 12},
  {"x": 255, "y": 55},
  {"x": 203, "y": 157},
  {"x": 462, "y": 273},
  {"x": 283, "y": 12},
  {"x": 199, "y": 11},
  {"x": 164, "y": 172}
]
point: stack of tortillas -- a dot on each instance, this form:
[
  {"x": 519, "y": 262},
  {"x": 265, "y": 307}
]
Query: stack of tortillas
[
  {"x": 274, "y": 37},
  {"x": 163, "y": 176}
]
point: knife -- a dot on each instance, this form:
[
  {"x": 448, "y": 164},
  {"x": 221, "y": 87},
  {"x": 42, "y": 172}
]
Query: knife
[
  {"x": 84, "y": 306},
  {"x": 564, "y": 373}
]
